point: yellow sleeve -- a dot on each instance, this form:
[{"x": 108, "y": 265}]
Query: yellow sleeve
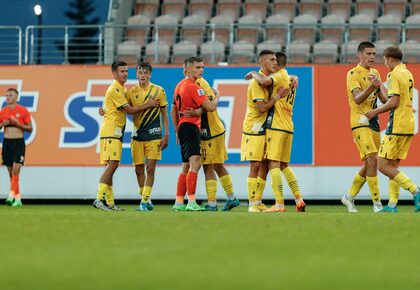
[
  {"x": 118, "y": 99},
  {"x": 393, "y": 85},
  {"x": 352, "y": 81},
  {"x": 277, "y": 79},
  {"x": 257, "y": 92},
  {"x": 162, "y": 98}
]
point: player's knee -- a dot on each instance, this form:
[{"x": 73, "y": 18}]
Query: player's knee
[
  {"x": 139, "y": 170},
  {"x": 371, "y": 161},
  {"x": 150, "y": 169}
]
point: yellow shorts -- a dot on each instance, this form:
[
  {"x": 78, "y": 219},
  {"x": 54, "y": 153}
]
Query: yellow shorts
[
  {"x": 367, "y": 141},
  {"x": 252, "y": 147},
  {"x": 141, "y": 150},
  {"x": 111, "y": 149},
  {"x": 213, "y": 151},
  {"x": 395, "y": 147},
  {"x": 279, "y": 145}
]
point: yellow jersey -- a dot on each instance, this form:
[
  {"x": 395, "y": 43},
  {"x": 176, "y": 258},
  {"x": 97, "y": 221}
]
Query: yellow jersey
[
  {"x": 147, "y": 125},
  {"x": 280, "y": 115},
  {"x": 401, "y": 119},
  {"x": 358, "y": 77},
  {"x": 114, "y": 119},
  {"x": 211, "y": 124},
  {"x": 254, "y": 122}
]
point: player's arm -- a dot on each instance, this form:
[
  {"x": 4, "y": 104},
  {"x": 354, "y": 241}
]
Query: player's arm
[
  {"x": 24, "y": 127},
  {"x": 261, "y": 79},
  {"x": 359, "y": 95},
  {"x": 165, "y": 121},
  {"x": 175, "y": 120},
  {"x": 392, "y": 103},
  {"x": 4, "y": 123},
  {"x": 382, "y": 94},
  {"x": 264, "y": 106},
  {"x": 152, "y": 103}
]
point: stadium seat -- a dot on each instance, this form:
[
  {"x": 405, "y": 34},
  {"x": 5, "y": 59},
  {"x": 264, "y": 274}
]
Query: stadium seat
[
  {"x": 248, "y": 29},
  {"x": 332, "y": 28},
  {"x": 147, "y": 8},
  {"x": 395, "y": 7},
  {"x": 256, "y": 7},
  {"x": 167, "y": 27},
  {"x": 223, "y": 29},
  {"x": 129, "y": 51},
  {"x": 340, "y": 7},
  {"x": 242, "y": 52},
  {"x": 285, "y": 8},
  {"x": 367, "y": 7},
  {"x": 360, "y": 27},
  {"x": 415, "y": 7},
  {"x": 304, "y": 28},
  {"x": 311, "y": 7},
  {"x": 411, "y": 51},
  {"x": 389, "y": 28},
  {"x": 413, "y": 27},
  {"x": 381, "y": 45},
  {"x": 325, "y": 52},
  {"x": 229, "y": 8},
  {"x": 270, "y": 45},
  {"x": 162, "y": 51},
  {"x": 299, "y": 52},
  {"x": 277, "y": 29},
  {"x": 175, "y": 8},
  {"x": 182, "y": 50},
  {"x": 349, "y": 52},
  {"x": 193, "y": 28},
  {"x": 203, "y": 8},
  {"x": 217, "y": 48},
  {"x": 138, "y": 34}
]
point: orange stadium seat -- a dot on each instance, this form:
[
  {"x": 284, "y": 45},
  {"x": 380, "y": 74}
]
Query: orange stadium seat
[
  {"x": 222, "y": 28},
  {"x": 299, "y": 52},
  {"x": 332, "y": 28},
  {"x": 413, "y": 27},
  {"x": 162, "y": 50},
  {"x": 175, "y": 8},
  {"x": 193, "y": 28},
  {"x": 389, "y": 28},
  {"x": 411, "y": 51},
  {"x": 304, "y": 28},
  {"x": 201, "y": 7},
  {"x": 395, "y": 7},
  {"x": 248, "y": 29},
  {"x": 270, "y": 45},
  {"x": 182, "y": 50},
  {"x": 311, "y": 7},
  {"x": 286, "y": 8},
  {"x": 148, "y": 8},
  {"x": 256, "y": 7},
  {"x": 230, "y": 8},
  {"x": 277, "y": 29},
  {"x": 167, "y": 27},
  {"x": 325, "y": 52},
  {"x": 360, "y": 28},
  {"x": 242, "y": 52},
  {"x": 217, "y": 48},
  {"x": 138, "y": 34},
  {"x": 340, "y": 7},
  {"x": 367, "y": 7},
  {"x": 129, "y": 51}
]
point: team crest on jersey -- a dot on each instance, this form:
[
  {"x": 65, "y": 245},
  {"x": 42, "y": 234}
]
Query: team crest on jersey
[{"x": 200, "y": 92}]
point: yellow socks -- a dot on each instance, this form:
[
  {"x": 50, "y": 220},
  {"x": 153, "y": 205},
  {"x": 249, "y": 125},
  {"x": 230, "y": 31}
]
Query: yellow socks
[
  {"x": 211, "y": 190},
  {"x": 374, "y": 188},
  {"x": 406, "y": 182},
  {"x": 277, "y": 185},
  {"x": 102, "y": 189},
  {"x": 394, "y": 192},
  {"x": 109, "y": 196},
  {"x": 358, "y": 183},
  {"x": 252, "y": 189},
  {"x": 293, "y": 183},
  {"x": 226, "y": 182},
  {"x": 260, "y": 190},
  {"x": 147, "y": 190}
]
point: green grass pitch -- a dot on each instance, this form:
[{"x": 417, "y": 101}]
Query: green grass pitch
[{"x": 77, "y": 247}]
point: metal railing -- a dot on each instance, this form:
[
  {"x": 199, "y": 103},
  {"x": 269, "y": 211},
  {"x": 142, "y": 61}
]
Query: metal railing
[{"x": 10, "y": 45}]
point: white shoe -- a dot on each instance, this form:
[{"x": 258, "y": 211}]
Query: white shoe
[
  {"x": 350, "y": 204},
  {"x": 377, "y": 207}
]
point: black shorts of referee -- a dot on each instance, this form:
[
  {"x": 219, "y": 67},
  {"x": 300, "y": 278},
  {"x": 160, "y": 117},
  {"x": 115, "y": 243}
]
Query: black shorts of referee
[{"x": 190, "y": 141}]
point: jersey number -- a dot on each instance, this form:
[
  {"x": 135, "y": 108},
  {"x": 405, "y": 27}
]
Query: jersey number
[{"x": 291, "y": 96}]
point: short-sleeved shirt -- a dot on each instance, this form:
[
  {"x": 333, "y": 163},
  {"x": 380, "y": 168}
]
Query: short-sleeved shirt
[
  {"x": 114, "y": 119},
  {"x": 211, "y": 124},
  {"x": 358, "y": 78},
  {"x": 188, "y": 95},
  {"x": 19, "y": 112},
  {"x": 280, "y": 115},
  {"x": 254, "y": 122},
  {"x": 147, "y": 124},
  {"x": 401, "y": 119}
]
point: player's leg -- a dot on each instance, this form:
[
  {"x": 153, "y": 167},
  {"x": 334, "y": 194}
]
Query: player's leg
[
  {"x": 108, "y": 177},
  {"x": 181, "y": 188},
  {"x": 150, "y": 179},
  {"x": 292, "y": 181},
  {"x": 138, "y": 156},
  {"x": 261, "y": 181},
  {"x": 394, "y": 192},
  {"x": 211, "y": 187},
  {"x": 277, "y": 186},
  {"x": 371, "y": 162},
  {"x": 15, "y": 184},
  {"x": 226, "y": 182},
  {"x": 192, "y": 176},
  {"x": 11, "y": 197},
  {"x": 141, "y": 177},
  {"x": 7, "y": 157}
]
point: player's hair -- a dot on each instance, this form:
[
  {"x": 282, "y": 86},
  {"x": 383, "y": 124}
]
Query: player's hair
[
  {"x": 363, "y": 45},
  {"x": 394, "y": 52},
  {"x": 192, "y": 59},
  {"x": 265, "y": 52},
  {"x": 281, "y": 59},
  {"x": 116, "y": 64},
  {"x": 145, "y": 65},
  {"x": 13, "y": 90}
]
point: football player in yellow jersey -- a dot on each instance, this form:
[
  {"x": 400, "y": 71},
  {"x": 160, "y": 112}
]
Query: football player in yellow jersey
[
  {"x": 147, "y": 140},
  {"x": 253, "y": 143},
  {"x": 279, "y": 134},
  {"x": 399, "y": 133},
  {"x": 364, "y": 87},
  {"x": 111, "y": 133}
]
